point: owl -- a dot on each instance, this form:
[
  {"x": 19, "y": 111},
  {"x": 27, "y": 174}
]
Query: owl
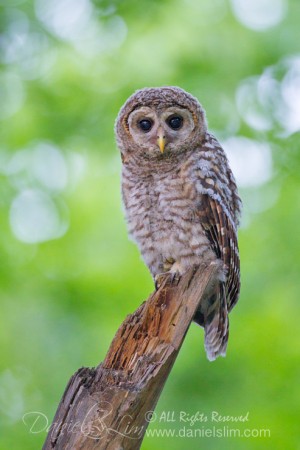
[{"x": 180, "y": 198}]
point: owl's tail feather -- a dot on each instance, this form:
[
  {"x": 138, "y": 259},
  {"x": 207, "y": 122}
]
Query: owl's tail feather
[{"x": 216, "y": 324}]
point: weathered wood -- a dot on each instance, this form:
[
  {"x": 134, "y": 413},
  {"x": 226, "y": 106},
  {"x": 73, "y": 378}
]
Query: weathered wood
[{"x": 109, "y": 407}]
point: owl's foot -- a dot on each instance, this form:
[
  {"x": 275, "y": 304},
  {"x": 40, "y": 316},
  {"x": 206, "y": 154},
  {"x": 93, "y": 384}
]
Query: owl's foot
[
  {"x": 159, "y": 279},
  {"x": 171, "y": 276},
  {"x": 172, "y": 273},
  {"x": 167, "y": 264}
]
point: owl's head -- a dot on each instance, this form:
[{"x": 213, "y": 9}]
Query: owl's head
[{"x": 158, "y": 122}]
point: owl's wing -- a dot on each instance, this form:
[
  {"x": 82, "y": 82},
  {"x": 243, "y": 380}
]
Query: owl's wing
[{"x": 222, "y": 236}]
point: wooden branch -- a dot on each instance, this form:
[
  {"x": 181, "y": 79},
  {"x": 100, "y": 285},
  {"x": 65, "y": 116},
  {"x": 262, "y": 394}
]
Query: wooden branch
[{"x": 109, "y": 407}]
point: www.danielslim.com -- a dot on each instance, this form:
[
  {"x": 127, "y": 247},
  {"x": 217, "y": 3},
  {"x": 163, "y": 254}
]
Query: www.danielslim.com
[{"x": 212, "y": 432}]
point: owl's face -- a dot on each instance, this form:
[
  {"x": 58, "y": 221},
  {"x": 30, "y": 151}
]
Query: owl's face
[
  {"x": 157, "y": 130},
  {"x": 157, "y": 123}
]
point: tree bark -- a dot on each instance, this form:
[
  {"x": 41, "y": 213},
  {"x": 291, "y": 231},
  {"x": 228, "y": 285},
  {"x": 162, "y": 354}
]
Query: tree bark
[{"x": 109, "y": 407}]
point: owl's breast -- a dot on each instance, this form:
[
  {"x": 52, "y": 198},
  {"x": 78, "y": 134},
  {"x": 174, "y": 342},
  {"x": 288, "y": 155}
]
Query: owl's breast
[
  {"x": 171, "y": 216},
  {"x": 159, "y": 210}
]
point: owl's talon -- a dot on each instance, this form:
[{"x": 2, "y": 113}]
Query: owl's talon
[
  {"x": 175, "y": 277},
  {"x": 171, "y": 277},
  {"x": 159, "y": 279}
]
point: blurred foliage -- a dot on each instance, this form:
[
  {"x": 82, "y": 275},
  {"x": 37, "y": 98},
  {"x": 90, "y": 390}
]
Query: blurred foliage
[{"x": 68, "y": 273}]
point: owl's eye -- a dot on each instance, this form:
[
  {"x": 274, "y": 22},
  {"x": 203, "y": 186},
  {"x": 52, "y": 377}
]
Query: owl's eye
[
  {"x": 145, "y": 125},
  {"x": 175, "y": 122}
]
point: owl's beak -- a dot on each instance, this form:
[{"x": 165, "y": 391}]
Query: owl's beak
[{"x": 161, "y": 139}]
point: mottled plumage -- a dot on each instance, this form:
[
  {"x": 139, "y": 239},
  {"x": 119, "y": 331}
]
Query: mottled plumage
[{"x": 180, "y": 198}]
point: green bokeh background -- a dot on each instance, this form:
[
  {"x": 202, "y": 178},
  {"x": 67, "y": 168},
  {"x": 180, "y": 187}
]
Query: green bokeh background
[{"x": 64, "y": 74}]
